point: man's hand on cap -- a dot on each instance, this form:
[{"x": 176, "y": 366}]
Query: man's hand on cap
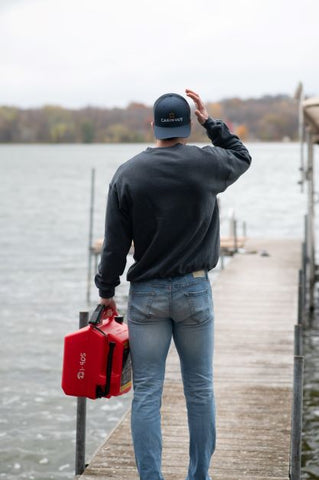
[{"x": 200, "y": 112}]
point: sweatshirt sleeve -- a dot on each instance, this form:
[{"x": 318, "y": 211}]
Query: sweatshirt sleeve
[
  {"x": 234, "y": 158},
  {"x": 117, "y": 242}
]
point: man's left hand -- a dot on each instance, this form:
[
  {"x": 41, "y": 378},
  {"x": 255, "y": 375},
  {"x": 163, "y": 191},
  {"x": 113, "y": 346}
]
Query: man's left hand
[
  {"x": 200, "y": 112},
  {"x": 109, "y": 304}
]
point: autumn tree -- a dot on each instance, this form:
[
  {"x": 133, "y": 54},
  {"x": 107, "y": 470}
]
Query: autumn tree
[
  {"x": 242, "y": 131},
  {"x": 267, "y": 118}
]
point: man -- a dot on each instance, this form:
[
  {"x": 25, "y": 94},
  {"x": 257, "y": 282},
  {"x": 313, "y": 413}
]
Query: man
[{"x": 164, "y": 200}]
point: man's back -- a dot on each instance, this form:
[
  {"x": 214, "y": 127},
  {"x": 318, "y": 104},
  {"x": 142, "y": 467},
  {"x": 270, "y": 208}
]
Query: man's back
[
  {"x": 164, "y": 199},
  {"x": 170, "y": 195}
]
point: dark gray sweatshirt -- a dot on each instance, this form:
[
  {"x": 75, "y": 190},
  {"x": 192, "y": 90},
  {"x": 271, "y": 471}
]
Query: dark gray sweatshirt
[{"x": 164, "y": 200}]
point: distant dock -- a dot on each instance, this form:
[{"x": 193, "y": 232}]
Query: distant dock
[{"x": 256, "y": 304}]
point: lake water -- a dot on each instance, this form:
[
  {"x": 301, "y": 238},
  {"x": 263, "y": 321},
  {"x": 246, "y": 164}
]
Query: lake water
[{"x": 44, "y": 222}]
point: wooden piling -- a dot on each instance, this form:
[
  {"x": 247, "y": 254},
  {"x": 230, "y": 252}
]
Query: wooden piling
[{"x": 80, "y": 417}]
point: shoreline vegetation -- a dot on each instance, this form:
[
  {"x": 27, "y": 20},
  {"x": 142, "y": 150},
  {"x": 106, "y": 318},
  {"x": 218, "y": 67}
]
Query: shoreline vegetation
[{"x": 267, "y": 119}]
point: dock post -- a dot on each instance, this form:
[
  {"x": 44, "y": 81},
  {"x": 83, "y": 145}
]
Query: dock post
[
  {"x": 299, "y": 96},
  {"x": 89, "y": 279},
  {"x": 244, "y": 230},
  {"x": 304, "y": 262},
  {"x": 296, "y": 427},
  {"x": 222, "y": 261},
  {"x": 235, "y": 236},
  {"x": 305, "y": 244},
  {"x": 298, "y": 340},
  {"x": 301, "y": 298},
  {"x": 311, "y": 219},
  {"x": 80, "y": 417}
]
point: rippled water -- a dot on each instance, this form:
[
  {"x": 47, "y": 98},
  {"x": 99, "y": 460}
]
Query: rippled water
[
  {"x": 44, "y": 218},
  {"x": 310, "y": 446}
]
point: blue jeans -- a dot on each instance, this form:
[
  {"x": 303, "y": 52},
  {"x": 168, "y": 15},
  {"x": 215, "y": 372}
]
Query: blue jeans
[{"x": 179, "y": 307}]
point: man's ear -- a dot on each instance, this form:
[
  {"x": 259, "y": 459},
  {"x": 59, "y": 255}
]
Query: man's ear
[{"x": 152, "y": 123}]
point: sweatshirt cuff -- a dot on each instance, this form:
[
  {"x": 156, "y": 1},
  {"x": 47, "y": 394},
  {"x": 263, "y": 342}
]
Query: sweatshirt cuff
[
  {"x": 107, "y": 293},
  {"x": 210, "y": 122}
]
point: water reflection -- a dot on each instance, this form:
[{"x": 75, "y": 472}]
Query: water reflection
[{"x": 310, "y": 444}]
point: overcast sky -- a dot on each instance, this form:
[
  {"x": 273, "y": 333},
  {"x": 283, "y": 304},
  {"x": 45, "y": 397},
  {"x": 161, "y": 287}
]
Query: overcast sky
[{"x": 108, "y": 53}]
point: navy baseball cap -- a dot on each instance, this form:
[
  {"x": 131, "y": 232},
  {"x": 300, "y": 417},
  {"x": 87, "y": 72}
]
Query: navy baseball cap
[{"x": 172, "y": 117}]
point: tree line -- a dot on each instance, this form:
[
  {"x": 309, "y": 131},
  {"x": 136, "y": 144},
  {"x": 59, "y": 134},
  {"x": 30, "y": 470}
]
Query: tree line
[{"x": 269, "y": 118}]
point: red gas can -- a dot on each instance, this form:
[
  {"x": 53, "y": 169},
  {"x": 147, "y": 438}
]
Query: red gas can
[{"x": 96, "y": 361}]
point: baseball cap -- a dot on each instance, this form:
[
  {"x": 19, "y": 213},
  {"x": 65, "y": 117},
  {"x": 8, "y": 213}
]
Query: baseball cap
[{"x": 172, "y": 116}]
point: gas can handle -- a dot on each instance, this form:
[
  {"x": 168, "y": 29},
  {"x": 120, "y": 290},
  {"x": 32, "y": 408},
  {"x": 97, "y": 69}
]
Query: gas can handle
[{"x": 96, "y": 316}]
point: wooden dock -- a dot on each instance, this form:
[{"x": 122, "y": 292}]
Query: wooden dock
[{"x": 255, "y": 301}]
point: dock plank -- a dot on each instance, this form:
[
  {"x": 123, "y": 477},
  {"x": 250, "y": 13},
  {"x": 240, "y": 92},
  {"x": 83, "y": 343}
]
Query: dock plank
[{"x": 255, "y": 300}]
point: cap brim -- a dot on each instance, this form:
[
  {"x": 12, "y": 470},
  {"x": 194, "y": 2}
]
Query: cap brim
[{"x": 172, "y": 132}]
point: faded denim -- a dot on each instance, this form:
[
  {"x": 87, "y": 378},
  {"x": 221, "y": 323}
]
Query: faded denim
[{"x": 159, "y": 310}]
